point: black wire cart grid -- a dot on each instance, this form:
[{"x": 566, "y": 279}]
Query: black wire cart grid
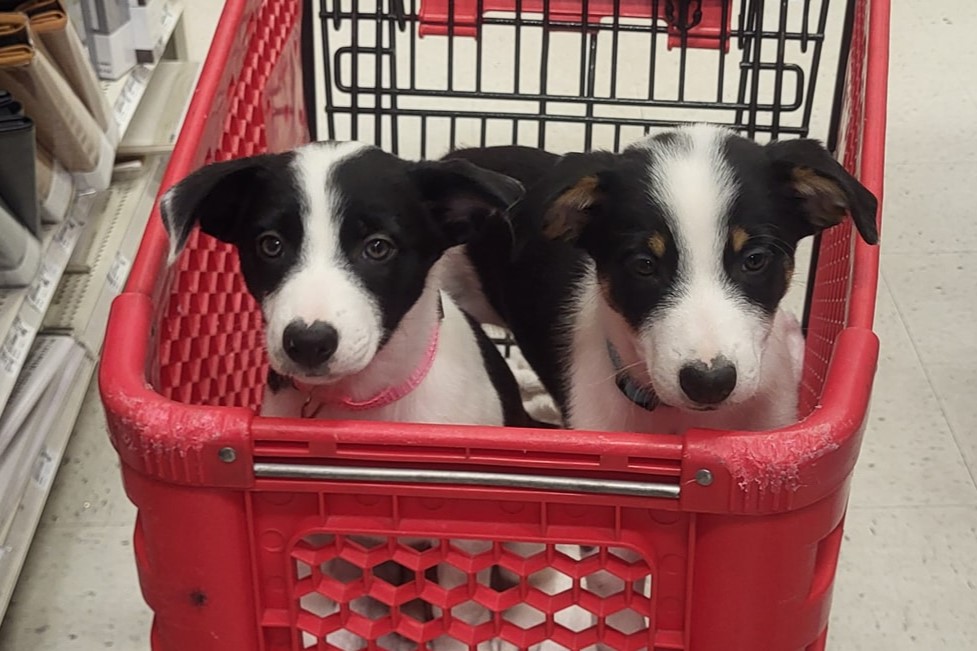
[{"x": 421, "y": 76}]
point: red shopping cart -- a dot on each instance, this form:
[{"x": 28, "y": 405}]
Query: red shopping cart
[{"x": 737, "y": 534}]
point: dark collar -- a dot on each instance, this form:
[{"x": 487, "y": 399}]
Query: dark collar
[{"x": 642, "y": 395}]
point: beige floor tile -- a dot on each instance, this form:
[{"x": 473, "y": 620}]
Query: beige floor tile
[
  {"x": 907, "y": 581},
  {"x": 936, "y": 295},
  {"x": 907, "y": 444}
]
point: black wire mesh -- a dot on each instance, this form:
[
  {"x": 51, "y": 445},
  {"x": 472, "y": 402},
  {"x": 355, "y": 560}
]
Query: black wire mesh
[{"x": 419, "y": 77}]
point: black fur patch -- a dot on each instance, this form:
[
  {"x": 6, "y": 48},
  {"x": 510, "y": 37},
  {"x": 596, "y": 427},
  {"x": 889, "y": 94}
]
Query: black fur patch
[
  {"x": 277, "y": 382},
  {"x": 237, "y": 201},
  {"x": 424, "y": 208},
  {"x": 525, "y": 164},
  {"x": 513, "y": 412},
  {"x": 772, "y": 227},
  {"x": 380, "y": 198}
]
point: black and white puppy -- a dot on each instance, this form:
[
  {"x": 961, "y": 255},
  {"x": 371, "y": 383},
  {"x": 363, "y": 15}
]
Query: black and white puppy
[
  {"x": 340, "y": 243},
  {"x": 645, "y": 288}
]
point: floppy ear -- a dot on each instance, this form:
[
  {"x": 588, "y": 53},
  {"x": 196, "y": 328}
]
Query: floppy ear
[
  {"x": 216, "y": 195},
  {"x": 571, "y": 193},
  {"x": 826, "y": 190},
  {"x": 461, "y": 196}
]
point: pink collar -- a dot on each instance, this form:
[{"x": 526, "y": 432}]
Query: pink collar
[{"x": 320, "y": 396}]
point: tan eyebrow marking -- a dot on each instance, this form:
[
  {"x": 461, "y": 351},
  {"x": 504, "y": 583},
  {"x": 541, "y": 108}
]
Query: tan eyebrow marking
[
  {"x": 738, "y": 238},
  {"x": 656, "y": 242}
]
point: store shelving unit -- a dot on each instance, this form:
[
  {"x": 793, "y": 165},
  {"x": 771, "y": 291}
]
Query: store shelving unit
[{"x": 86, "y": 262}]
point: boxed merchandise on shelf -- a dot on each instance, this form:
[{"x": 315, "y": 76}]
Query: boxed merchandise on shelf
[
  {"x": 126, "y": 93},
  {"x": 112, "y": 54},
  {"x": 149, "y": 18},
  {"x": 50, "y": 25},
  {"x": 31, "y": 70}
]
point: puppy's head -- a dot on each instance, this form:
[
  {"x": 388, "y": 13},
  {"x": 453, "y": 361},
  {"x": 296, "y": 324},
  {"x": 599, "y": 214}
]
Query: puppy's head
[
  {"x": 336, "y": 241},
  {"x": 693, "y": 234}
]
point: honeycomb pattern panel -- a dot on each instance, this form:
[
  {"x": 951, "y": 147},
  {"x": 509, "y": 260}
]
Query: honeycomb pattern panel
[{"x": 362, "y": 592}]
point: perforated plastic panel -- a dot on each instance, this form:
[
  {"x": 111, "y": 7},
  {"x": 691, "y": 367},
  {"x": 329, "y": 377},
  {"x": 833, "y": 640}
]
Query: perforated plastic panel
[{"x": 347, "y": 589}]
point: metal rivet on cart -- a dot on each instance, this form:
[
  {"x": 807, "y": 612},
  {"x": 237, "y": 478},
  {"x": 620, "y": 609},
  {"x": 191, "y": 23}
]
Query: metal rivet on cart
[
  {"x": 703, "y": 477},
  {"x": 228, "y": 455}
]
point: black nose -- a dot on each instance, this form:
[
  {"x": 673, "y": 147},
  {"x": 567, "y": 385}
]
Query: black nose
[
  {"x": 310, "y": 346},
  {"x": 708, "y": 384}
]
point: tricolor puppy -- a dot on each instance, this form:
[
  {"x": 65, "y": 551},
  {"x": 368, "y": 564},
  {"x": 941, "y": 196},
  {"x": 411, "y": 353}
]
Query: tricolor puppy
[
  {"x": 340, "y": 244},
  {"x": 646, "y": 287}
]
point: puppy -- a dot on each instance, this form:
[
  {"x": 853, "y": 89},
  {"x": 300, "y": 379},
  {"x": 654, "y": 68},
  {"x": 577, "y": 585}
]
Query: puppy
[
  {"x": 645, "y": 286},
  {"x": 340, "y": 242}
]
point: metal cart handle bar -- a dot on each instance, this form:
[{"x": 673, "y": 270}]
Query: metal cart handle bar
[{"x": 506, "y": 479}]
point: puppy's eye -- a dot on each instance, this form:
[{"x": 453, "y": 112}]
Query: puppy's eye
[
  {"x": 755, "y": 261},
  {"x": 642, "y": 265},
  {"x": 379, "y": 249},
  {"x": 270, "y": 245}
]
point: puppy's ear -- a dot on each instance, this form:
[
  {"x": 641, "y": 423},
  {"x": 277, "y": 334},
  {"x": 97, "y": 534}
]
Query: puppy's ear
[
  {"x": 572, "y": 193},
  {"x": 217, "y": 196},
  {"x": 825, "y": 189},
  {"x": 461, "y": 196}
]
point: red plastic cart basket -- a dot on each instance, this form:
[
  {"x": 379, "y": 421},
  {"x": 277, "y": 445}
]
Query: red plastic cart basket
[{"x": 737, "y": 534}]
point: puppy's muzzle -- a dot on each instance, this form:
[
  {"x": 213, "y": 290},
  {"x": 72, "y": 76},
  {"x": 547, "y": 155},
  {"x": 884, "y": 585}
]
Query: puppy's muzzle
[
  {"x": 708, "y": 384},
  {"x": 310, "y": 346}
]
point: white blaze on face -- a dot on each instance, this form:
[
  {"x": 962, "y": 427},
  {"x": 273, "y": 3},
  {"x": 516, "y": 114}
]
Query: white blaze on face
[
  {"x": 322, "y": 286},
  {"x": 706, "y": 318}
]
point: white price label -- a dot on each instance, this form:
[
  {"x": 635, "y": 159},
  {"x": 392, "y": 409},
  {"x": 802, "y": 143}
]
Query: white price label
[
  {"x": 132, "y": 91},
  {"x": 67, "y": 235},
  {"x": 42, "y": 289},
  {"x": 15, "y": 346},
  {"x": 44, "y": 469},
  {"x": 119, "y": 272}
]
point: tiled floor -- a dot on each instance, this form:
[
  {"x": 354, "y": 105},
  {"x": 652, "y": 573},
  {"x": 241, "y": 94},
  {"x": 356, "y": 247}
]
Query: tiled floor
[{"x": 908, "y": 575}]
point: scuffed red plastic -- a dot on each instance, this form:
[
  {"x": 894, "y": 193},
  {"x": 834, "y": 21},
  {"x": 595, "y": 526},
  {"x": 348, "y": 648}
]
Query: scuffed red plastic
[{"x": 745, "y": 563}]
